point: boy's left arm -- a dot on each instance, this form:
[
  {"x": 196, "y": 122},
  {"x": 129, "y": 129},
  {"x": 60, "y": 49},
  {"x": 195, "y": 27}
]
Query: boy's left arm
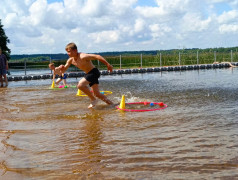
[{"x": 104, "y": 61}]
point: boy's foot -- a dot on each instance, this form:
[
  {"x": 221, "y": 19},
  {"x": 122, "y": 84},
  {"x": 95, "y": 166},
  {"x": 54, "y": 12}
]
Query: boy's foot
[
  {"x": 93, "y": 104},
  {"x": 115, "y": 104},
  {"x": 107, "y": 101}
]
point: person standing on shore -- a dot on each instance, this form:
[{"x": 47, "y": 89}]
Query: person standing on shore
[
  {"x": 3, "y": 68},
  {"x": 83, "y": 61}
]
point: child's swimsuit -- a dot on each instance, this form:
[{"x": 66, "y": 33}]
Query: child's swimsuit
[
  {"x": 92, "y": 76},
  {"x": 63, "y": 77}
]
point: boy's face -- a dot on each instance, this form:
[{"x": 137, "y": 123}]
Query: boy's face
[
  {"x": 71, "y": 52},
  {"x": 52, "y": 67}
]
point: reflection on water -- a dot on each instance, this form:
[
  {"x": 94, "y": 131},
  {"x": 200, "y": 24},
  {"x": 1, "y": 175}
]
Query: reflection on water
[{"x": 50, "y": 134}]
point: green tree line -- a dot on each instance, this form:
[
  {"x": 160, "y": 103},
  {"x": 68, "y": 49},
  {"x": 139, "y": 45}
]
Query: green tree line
[{"x": 135, "y": 59}]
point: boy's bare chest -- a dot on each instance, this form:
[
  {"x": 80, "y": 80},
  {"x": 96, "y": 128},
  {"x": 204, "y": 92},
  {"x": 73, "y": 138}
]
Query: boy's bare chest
[
  {"x": 57, "y": 71},
  {"x": 79, "y": 63}
]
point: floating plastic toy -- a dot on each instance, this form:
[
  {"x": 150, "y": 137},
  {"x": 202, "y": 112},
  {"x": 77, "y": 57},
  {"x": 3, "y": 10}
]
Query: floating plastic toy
[
  {"x": 61, "y": 86},
  {"x": 58, "y": 88},
  {"x": 122, "y": 106},
  {"x": 80, "y": 93}
]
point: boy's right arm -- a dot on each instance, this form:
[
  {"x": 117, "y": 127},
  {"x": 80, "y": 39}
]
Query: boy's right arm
[
  {"x": 64, "y": 68},
  {"x": 53, "y": 75}
]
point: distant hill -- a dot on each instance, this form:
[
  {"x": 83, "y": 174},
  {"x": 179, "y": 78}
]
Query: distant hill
[
  {"x": 40, "y": 57},
  {"x": 62, "y": 56}
]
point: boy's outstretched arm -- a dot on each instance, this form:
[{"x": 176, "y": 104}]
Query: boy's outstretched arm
[
  {"x": 101, "y": 59},
  {"x": 64, "y": 68},
  {"x": 53, "y": 79}
]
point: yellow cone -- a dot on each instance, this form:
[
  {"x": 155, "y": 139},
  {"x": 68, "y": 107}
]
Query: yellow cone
[
  {"x": 53, "y": 84},
  {"x": 79, "y": 92},
  {"x": 122, "y": 104}
]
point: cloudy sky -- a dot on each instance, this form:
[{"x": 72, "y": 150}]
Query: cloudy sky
[{"x": 46, "y": 26}]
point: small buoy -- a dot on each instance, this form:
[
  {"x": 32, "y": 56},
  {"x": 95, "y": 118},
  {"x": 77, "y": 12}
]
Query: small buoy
[
  {"x": 65, "y": 86},
  {"x": 102, "y": 92},
  {"x": 151, "y": 104},
  {"x": 145, "y": 103},
  {"x": 161, "y": 104},
  {"x": 61, "y": 86}
]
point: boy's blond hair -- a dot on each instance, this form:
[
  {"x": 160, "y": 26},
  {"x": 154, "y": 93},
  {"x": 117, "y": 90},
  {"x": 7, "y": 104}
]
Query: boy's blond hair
[
  {"x": 71, "y": 46},
  {"x": 51, "y": 64}
]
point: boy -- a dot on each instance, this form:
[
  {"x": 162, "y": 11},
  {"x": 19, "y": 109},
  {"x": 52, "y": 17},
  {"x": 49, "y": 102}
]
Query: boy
[
  {"x": 3, "y": 68},
  {"x": 83, "y": 61},
  {"x": 57, "y": 71}
]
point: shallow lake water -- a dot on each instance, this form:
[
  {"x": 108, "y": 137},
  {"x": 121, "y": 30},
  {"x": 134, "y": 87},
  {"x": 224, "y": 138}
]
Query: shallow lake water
[{"x": 50, "y": 134}]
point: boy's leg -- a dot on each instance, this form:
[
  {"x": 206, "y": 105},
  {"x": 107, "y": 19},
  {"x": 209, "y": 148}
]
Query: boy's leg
[
  {"x": 58, "y": 81},
  {"x": 5, "y": 78},
  {"x": 99, "y": 95},
  {"x": 83, "y": 86},
  {"x": 64, "y": 82}
]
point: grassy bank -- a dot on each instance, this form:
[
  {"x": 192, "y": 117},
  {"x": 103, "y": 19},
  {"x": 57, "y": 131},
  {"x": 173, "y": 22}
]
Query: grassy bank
[{"x": 139, "y": 59}]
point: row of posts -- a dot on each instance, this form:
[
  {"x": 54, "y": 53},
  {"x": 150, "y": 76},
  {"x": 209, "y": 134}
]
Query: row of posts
[
  {"x": 215, "y": 57},
  {"x": 160, "y": 55}
]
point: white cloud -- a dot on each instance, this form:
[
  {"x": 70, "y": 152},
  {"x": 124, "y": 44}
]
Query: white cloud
[
  {"x": 139, "y": 25},
  {"x": 229, "y": 28},
  {"x": 11, "y": 18},
  {"x": 195, "y": 23},
  {"x": 230, "y": 16},
  {"x": 94, "y": 8},
  {"x": 158, "y": 30},
  {"x": 151, "y": 12},
  {"x": 105, "y": 37},
  {"x": 37, "y": 12},
  {"x": 35, "y": 26}
]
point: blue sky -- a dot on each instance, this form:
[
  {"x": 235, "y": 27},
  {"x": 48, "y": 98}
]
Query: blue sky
[
  {"x": 51, "y": 1},
  {"x": 146, "y": 3},
  {"x": 139, "y": 2},
  {"x": 219, "y": 7},
  {"x": 45, "y": 26},
  {"x": 222, "y": 7}
]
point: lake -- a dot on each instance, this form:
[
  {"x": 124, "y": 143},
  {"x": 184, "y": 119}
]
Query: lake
[{"x": 50, "y": 134}]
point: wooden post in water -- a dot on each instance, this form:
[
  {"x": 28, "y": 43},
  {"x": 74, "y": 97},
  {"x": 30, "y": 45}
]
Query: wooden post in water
[
  {"x": 197, "y": 58},
  {"x": 179, "y": 59},
  {"x": 141, "y": 59},
  {"x": 120, "y": 61},
  {"x": 98, "y": 64},
  {"x": 231, "y": 56},
  {"x": 160, "y": 59},
  {"x": 25, "y": 66},
  {"x": 215, "y": 56}
]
